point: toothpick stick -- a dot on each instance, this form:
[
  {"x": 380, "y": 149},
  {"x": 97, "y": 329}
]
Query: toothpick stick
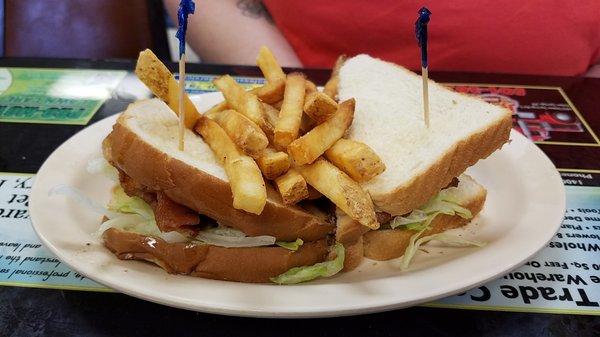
[
  {"x": 181, "y": 101},
  {"x": 421, "y": 33},
  {"x": 186, "y": 7},
  {"x": 425, "y": 76}
]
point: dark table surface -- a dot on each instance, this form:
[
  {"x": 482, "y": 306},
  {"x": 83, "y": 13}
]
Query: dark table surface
[{"x": 47, "y": 312}]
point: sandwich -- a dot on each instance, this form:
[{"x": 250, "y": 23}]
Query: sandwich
[
  {"x": 424, "y": 177},
  {"x": 179, "y": 186},
  {"x": 285, "y": 183}
]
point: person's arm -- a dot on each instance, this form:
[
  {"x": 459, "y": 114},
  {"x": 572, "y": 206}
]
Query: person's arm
[{"x": 232, "y": 31}]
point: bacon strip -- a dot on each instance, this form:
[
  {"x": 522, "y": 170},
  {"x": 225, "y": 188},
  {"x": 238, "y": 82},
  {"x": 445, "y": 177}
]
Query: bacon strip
[{"x": 169, "y": 214}]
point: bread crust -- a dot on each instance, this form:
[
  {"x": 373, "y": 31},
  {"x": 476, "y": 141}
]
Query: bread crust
[
  {"x": 386, "y": 244},
  {"x": 204, "y": 193},
  {"x": 354, "y": 255},
  {"x": 253, "y": 264},
  {"x": 348, "y": 230},
  {"x": 349, "y": 233},
  {"x": 421, "y": 188}
]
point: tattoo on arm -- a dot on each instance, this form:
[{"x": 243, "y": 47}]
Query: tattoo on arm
[{"x": 254, "y": 9}]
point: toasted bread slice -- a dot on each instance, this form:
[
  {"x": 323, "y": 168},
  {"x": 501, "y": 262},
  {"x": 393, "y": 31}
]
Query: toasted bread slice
[
  {"x": 349, "y": 233},
  {"x": 354, "y": 255},
  {"x": 143, "y": 144},
  {"x": 255, "y": 264},
  {"x": 420, "y": 161},
  {"x": 386, "y": 244}
]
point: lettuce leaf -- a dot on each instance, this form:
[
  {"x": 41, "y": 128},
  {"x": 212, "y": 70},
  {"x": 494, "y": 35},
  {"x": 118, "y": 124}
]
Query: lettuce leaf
[
  {"x": 415, "y": 243},
  {"x": 230, "y": 237},
  {"x": 101, "y": 166},
  {"x": 235, "y": 241},
  {"x": 225, "y": 231},
  {"x": 135, "y": 215},
  {"x": 415, "y": 217},
  {"x": 446, "y": 206},
  {"x": 421, "y": 218},
  {"x": 129, "y": 222},
  {"x": 455, "y": 240},
  {"x": 321, "y": 269},
  {"x": 292, "y": 245},
  {"x": 126, "y": 213},
  {"x": 411, "y": 249},
  {"x": 121, "y": 202}
]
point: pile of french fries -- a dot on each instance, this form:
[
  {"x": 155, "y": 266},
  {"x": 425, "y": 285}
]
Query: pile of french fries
[{"x": 286, "y": 131}]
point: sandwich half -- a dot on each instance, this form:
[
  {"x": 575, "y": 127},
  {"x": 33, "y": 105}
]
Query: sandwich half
[
  {"x": 179, "y": 186},
  {"x": 422, "y": 163}
]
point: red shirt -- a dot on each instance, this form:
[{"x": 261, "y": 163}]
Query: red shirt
[{"x": 550, "y": 37}]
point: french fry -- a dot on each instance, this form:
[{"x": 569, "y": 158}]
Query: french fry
[
  {"x": 233, "y": 93},
  {"x": 292, "y": 187},
  {"x": 357, "y": 159},
  {"x": 237, "y": 98},
  {"x": 288, "y": 123},
  {"x": 310, "y": 87},
  {"x": 273, "y": 163},
  {"x": 215, "y": 109},
  {"x": 319, "y": 106},
  {"x": 155, "y": 75},
  {"x": 306, "y": 124},
  {"x": 271, "y": 115},
  {"x": 268, "y": 65},
  {"x": 246, "y": 181},
  {"x": 314, "y": 143},
  {"x": 344, "y": 192},
  {"x": 331, "y": 87},
  {"x": 253, "y": 109},
  {"x": 247, "y": 184},
  {"x": 218, "y": 140},
  {"x": 270, "y": 92},
  {"x": 244, "y": 133}
]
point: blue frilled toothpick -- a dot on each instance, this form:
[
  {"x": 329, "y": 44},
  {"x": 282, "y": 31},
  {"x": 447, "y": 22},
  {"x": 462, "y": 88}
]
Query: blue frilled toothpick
[
  {"x": 186, "y": 7},
  {"x": 421, "y": 32}
]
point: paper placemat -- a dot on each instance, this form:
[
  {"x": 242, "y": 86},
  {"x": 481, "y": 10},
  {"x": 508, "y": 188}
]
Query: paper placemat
[
  {"x": 23, "y": 259},
  {"x": 54, "y": 96},
  {"x": 564, "y": 277},
  {"x": 200, "y": 83}
]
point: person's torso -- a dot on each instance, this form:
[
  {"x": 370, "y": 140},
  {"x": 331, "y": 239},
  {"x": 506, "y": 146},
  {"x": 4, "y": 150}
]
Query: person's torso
[{"x": 531, "y": 37}]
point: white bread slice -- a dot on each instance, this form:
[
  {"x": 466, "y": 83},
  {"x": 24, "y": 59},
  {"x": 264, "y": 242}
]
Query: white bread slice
[
  {"x": 385, "y": 244},
  {"x": 419, "y": 161},
  {"x": 252, "y": 264},
  {"x": 143, "y": 144}
]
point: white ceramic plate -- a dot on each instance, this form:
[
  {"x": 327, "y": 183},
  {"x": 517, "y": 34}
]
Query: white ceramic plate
[{"x": 525, "y": 207}]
